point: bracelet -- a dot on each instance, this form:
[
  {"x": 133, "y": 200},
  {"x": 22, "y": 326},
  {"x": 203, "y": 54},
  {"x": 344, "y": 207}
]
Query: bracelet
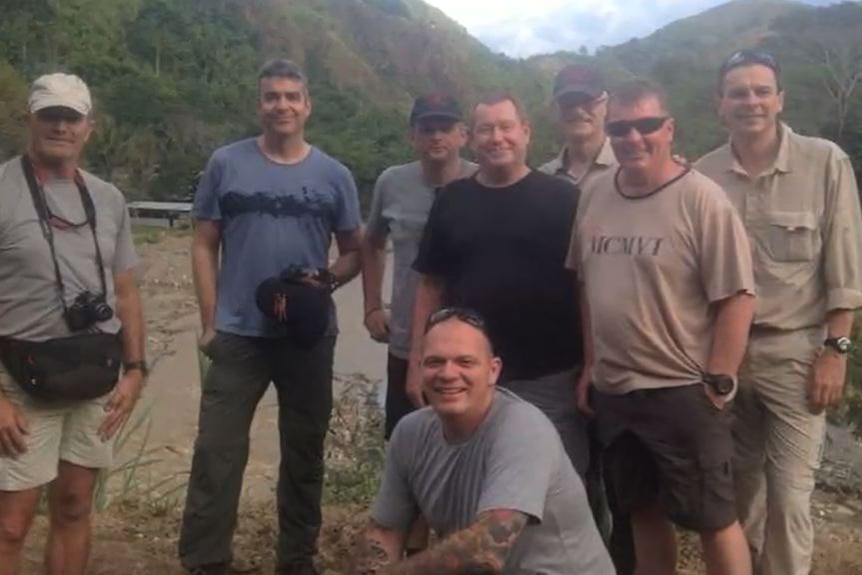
[{"x": 371, "y": 311}]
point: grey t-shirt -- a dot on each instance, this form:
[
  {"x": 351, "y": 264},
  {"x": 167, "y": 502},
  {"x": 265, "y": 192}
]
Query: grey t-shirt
[
  {"x": 513, "y": 461},
  {"x": 272, "y": 216},
  {"x": 399, "y": 209},
  {"x": 30, "y": 305}
]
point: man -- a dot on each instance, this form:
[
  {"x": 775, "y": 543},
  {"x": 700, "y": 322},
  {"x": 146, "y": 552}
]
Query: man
[
  {"x": 65, "y": 236},
  {"x": 485, "y": 468},
  {"x": 402, "y": 199},
  {"x": 582, "y": 105},
  {"x": 667, "y": 301},
  {"x": 271, "y": 205},
  {"x": 798, "y": 199},
  {"x": 497, "y": 243}
]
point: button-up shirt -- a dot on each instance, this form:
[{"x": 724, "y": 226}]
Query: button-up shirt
[
  {"x": 803, "y": 220},
  {"x": 559, "y": 166}
]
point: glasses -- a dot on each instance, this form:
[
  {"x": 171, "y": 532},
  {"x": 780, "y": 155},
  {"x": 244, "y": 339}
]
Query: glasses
[
  {"x": 644, "y": 126},
  {"x": 746, "y": 57},
  {"x": 580, "y": 100},
  {"x": 464, "y": 314},
  {"x": 431, "y": 127},
  {"x": 55, "y": 114}
]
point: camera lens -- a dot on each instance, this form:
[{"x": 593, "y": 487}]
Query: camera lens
[{"x": 102, "y": 311}]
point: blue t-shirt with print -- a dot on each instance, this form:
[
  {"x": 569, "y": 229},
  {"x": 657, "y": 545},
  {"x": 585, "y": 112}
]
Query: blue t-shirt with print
[{"x": 272, "y": 216}]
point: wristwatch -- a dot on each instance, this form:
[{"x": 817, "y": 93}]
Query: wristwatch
[
  {"x": 140, "y": 365},
  {"x": 721, "y": 384},
  {"x": 841, "y": 344}
]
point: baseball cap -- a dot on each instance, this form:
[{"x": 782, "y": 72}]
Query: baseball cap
[
  {"x": 435, "y": 106},
  {"x": 579, "y": 79},
  {"x": 60, "y": 90}
]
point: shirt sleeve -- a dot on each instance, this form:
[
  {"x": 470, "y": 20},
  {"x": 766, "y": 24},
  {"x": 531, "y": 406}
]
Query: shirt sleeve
[
  {"x": 347, "y": 216},
  {"x": 520, "y": 466},
  {"x": 395, "y": 507},
  {"x": 435, "y": 257},
  {"x": 842, "y": 242},
  {"x": 573, "y": 257},
  {"x": 206, "y": 203},
  {"x": 125, "y": 256},
  {"x": 377, "y": 226},
  {"x": 723, "y": 250}
]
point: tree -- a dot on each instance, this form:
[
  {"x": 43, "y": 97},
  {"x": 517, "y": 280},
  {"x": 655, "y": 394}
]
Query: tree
[{"x": 829, "y": 38}]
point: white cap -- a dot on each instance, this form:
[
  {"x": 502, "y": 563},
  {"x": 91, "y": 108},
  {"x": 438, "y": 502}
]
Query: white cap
[{"x": 63, "y": 90}]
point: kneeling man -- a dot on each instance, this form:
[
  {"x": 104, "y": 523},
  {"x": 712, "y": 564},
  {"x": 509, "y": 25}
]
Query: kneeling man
[{"x": 485, "y": 468}]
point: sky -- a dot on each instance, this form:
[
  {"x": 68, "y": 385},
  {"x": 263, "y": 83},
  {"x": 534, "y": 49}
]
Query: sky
[{"x": 522, "y": 28}]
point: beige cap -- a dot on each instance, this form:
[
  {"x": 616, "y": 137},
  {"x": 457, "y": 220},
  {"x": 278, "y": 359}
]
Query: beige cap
[{"x": 63, "y": 90}]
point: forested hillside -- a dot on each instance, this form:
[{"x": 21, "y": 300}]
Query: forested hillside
[{"x": 173, "y": 79}]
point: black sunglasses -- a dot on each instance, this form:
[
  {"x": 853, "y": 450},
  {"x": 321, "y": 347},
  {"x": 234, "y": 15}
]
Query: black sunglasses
[
  {"x": 579, "y": 99},
  {"x": 54, "y": 114},
  {"x": 644, "y": 126},
  {"x": 464, "y": 314},
  {"x": 431, "y": 126}
]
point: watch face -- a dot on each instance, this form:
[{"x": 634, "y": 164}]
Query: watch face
[
  {"x": 720, "y": 384},
  {"x": 844, "y": 344},
  {"x": 724, "y": 385}
]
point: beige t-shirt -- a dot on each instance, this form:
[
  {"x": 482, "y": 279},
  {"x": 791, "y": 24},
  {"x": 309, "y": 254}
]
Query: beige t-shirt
[
  {"x": 804, "y": 223},
  {"x": 651, "y": 267}
]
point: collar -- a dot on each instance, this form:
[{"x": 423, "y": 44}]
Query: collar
[
  {"x": 782, "y": 161},
  {"x": 606, "y": 158}
]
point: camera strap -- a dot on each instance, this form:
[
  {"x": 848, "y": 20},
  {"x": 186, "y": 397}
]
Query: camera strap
[{"x": 40, "y": 203}]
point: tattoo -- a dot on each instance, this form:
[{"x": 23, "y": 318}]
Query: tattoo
[
  {"x": 481, "y": 549},
  {"x": 372, "y": 554}
]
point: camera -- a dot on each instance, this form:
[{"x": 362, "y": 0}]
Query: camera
[{"x": 86, "y": 310}]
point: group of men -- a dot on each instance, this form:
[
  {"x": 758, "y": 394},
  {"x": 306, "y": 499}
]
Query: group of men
[
  {"x": 580, "y": 357},
  {"x": 716, "y": 301}
]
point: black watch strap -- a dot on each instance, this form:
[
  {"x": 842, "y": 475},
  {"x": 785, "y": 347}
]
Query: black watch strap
[
  {"x": 840, "y": 345},
  {"x": 140, "y": 365}
]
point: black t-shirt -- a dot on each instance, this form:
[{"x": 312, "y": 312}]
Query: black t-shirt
[{"x": 502, "y": 252}]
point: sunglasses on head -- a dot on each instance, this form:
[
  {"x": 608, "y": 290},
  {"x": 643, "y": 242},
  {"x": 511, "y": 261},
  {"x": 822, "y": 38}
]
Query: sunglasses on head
[
  {"x": 466, "y": 315},
  {"x": 747, "y": 57},
  {"x": 644, "y": 126}
]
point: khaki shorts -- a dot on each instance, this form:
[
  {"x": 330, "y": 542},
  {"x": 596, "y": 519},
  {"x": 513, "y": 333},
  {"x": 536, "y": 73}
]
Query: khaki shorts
[{"x": 66, "y": 431}]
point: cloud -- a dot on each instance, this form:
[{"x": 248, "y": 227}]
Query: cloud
[{"x": 539, "y": 26}]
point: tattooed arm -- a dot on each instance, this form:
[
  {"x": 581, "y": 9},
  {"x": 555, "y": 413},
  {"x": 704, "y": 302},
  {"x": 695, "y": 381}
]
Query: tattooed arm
[
  {"x": 481, "y": 549},
  {"x": 379, "y": 548}
]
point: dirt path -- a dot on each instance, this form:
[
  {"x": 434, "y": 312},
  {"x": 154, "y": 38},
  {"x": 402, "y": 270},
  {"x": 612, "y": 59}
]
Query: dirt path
[{"x": 173, "y": 391}]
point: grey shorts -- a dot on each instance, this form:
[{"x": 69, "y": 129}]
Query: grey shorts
[{"x": 66, "y": 431}]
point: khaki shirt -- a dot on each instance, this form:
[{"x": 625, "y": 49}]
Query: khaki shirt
[
  {"x": 651, "y": 267},
  {"x": 803, "y": 220},
  {"x": 603, "y": 162}
]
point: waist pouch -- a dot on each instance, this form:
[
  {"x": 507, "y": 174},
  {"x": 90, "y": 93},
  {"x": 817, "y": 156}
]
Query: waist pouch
[{"x": 77, "y": 367}]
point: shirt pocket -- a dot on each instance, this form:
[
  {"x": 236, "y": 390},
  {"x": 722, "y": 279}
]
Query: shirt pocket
[{"x": 792, "y": 236}]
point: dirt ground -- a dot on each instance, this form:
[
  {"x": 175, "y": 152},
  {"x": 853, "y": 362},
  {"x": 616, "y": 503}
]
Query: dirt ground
[{"x": 137, "y": 533}]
